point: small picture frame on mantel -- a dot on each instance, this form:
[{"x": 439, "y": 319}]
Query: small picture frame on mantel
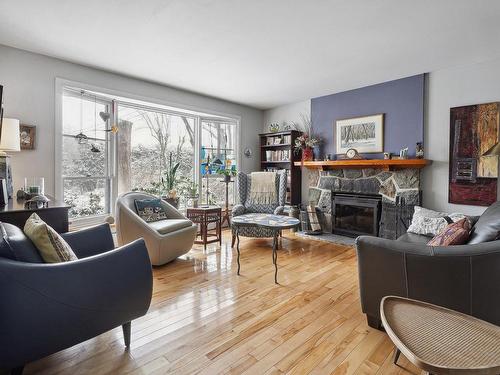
[{"x": 27, "y": 135}]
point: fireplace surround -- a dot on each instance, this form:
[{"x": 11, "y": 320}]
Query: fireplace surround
[{"x": 399, "y": 192}]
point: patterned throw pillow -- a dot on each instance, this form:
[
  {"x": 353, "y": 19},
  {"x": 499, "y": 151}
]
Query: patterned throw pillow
[
  {"x": 150, "y": 210},
  {"x": 430, "y": 223},
  {"x": 454, "y": 234},
  {"x": 52, "y": 247}
]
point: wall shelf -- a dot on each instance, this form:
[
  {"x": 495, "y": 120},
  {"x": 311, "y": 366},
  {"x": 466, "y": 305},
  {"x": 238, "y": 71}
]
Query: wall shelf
[{"x": 366, "y": 163}]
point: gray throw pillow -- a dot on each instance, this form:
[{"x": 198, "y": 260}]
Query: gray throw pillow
[
  {"x": 429, "y": 222},
  {"x": 150, "y": 210}
]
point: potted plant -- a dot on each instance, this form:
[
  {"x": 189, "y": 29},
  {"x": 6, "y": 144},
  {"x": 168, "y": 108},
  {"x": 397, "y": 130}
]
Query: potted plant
[
  {"x": 306, "y": 142},
  {"x": 227, "y": 173},
  {"x": 169, "y": 182}
]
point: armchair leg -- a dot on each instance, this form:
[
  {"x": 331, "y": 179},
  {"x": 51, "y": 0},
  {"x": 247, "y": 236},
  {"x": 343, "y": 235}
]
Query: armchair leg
[
  {"x": 127, "y": 328},
  {"x": 17, "y": 371}
]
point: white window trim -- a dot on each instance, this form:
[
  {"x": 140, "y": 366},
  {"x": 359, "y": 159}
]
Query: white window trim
[{"x": 61, "y": 83}]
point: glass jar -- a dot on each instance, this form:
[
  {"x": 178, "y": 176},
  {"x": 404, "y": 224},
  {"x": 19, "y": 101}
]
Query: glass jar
[{"x": 34, "y": 186}]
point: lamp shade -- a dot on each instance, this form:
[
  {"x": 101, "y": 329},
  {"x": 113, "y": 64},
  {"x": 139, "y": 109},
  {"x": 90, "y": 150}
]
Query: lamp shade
[{"x": 9, "y": 135}]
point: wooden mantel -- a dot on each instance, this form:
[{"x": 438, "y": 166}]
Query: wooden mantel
[{"x": 366, "y": 163}]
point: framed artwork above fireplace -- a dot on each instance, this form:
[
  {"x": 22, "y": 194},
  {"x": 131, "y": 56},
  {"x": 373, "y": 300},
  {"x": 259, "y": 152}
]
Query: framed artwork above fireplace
[{"x": 365, "y": 134}]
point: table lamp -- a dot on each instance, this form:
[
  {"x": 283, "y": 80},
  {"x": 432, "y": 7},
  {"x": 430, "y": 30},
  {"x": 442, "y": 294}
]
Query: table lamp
[{"x": 9, "y": 142}]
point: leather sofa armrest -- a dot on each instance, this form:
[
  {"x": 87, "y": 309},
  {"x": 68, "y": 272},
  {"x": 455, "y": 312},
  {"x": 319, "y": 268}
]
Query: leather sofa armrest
[{"x": 90, "y": 241}]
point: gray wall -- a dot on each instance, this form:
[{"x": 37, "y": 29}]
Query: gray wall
[
  {"x": 401, "y": 101},
  {"x": 447, "y": 88},
  {"x": 29, "y": 95}
]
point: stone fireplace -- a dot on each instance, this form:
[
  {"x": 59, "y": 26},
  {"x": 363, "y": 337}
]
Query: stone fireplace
[{"x": 398, "y": 189}]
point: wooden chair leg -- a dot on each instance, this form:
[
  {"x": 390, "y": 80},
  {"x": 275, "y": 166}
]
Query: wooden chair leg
[
  {"x": 233, "y": 240},
  {"x": 127, "y": 328},
  {"x": 397, "y": 353}
]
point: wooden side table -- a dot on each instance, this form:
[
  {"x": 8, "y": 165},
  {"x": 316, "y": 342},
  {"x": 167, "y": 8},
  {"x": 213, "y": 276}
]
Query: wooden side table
[
  {"x": 203, "y": 217},
  {"x": 439, "y": 340}
]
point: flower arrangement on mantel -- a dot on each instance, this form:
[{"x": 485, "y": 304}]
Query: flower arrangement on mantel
[{"x": 307, "y": 141}]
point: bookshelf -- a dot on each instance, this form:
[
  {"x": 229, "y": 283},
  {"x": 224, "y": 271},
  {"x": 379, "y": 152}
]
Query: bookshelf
[{"x": 276, "y": 153}]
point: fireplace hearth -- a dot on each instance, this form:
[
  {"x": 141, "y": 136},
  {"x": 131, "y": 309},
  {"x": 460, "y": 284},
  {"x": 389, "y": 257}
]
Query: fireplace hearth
[{"x": 355, "y": 214}]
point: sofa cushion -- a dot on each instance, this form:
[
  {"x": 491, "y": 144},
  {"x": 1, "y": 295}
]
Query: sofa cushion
[
  {"x": 415, "y": 238},
  {"x": 170, "y": 225},
  {"x": 16, "y": 246},
  {"x": 429, "y": 222},
  {"x": 487, "y": 227},
  {"x": 52, "y": 247},
  {"x": 150, "y": 210},
  {"x": 454, "y": 234}
]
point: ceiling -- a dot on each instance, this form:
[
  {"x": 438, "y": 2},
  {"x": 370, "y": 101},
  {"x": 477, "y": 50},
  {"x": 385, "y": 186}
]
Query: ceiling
[{"x": 262, "y": 53}]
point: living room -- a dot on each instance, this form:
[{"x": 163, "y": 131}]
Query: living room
[{"x": 208, "y": 187}]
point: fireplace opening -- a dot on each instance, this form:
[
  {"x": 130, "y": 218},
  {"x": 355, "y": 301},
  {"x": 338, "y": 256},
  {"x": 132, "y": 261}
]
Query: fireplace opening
[{"x": 355, "y": 214}]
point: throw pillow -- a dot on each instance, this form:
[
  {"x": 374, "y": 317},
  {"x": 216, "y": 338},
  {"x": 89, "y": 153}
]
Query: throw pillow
[
  {"x": 487, "y": 227},
  {"x": 454, "y": 234},
  {"x": 150, "y": 209},
  {"x": 49, "y": 243},
  {"x": 430, "y": 223}
]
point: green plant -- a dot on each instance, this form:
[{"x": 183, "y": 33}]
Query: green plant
[
  {"x": 170, "y": 180},
  {"x": 227, "y": 171}
]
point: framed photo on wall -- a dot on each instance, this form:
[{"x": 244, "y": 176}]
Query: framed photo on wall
[
  {"x": 27, "y": 136},
  {"x": 365, "y": 134}
]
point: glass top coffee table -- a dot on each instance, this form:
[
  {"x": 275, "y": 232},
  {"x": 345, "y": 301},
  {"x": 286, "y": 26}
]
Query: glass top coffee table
[{"x": 276, "y": 223}]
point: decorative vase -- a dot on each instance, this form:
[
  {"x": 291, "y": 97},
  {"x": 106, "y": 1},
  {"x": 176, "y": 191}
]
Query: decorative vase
[
  {"x": 317, "y": 153},
  {"x": 307, "y": 154}
]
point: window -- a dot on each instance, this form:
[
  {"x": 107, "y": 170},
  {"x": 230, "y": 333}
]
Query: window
[
  {"x": 149, "y": 142},
  {"x": 218, "y": 150},
  {"x": 85, "y": 151},
  {"x": 98, "y": 164}
]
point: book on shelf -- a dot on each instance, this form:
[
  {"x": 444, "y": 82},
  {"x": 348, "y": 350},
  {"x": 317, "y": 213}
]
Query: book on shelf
[
  {"x": 284, "y": 139},
  {"x": 278, "y": 155}
]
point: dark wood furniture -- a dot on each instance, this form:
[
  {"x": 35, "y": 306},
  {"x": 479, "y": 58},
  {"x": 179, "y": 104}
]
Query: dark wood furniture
[
  {"x": 203, "y": 217},
  {"x": 439, "y": 340},
  {"x": 55, "y": 215},
  {"x": 276, "y": 153}
]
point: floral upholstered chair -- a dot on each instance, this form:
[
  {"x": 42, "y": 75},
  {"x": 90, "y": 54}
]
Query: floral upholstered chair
[{"x": 246, "y": 206}]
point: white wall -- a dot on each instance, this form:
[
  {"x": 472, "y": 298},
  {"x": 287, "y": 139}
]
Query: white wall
[
  {"x": 447, "y": 88},
  {"x": 286, "y": 113},
  {"x": 29, "y": 95}
]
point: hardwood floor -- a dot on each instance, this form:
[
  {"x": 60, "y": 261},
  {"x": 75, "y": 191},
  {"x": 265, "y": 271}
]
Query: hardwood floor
[{"x": 205, "y": 319}]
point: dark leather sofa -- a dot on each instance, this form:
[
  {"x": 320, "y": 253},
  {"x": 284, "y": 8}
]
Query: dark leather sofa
[
  {"x": 465, "y": 278},
  {"x": 45, "y": 308}
]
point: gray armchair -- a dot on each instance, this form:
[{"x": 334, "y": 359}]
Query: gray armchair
[
  {"x": 465, "y": 278},
  {"x": 165, "y": 239},
  {"x": 49, "y": 307},
  {"x": 246, "y": 206}
]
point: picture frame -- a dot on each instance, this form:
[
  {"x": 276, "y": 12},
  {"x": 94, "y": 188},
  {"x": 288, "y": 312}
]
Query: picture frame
[
  {"x": 27, "y": 135},
  {"x": 365, "y": 134}
]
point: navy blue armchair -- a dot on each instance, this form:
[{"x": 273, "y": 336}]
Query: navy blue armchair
[{"x": 45, "y": 308}]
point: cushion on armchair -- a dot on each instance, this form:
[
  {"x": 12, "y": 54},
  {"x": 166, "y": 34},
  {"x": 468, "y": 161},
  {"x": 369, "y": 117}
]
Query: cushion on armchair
[
  {"x": 150, "y": 210},
  {"x": 16, "y": 246},
  {"x": 454, "y": 234},
  {"x": 171, "y": 225},
  {"x": 52, "y": 247}
]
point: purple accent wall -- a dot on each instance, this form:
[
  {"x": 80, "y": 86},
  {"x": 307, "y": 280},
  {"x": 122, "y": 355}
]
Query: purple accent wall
[{"x": 402, "y": 102}]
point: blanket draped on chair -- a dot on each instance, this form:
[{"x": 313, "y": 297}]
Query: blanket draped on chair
[{"x": 263, "y": 187}]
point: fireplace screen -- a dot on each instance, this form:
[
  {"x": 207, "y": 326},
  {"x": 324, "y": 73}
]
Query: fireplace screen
[{"x": 354, "y": 215}]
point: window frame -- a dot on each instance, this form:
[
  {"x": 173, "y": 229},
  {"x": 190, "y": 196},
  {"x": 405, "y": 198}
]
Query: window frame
[{"x": 118, "y": 97}]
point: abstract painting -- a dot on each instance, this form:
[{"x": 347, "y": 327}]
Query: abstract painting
[
  {"x": 365, "y": 134},
  {"x": 474, "y": 129}
]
